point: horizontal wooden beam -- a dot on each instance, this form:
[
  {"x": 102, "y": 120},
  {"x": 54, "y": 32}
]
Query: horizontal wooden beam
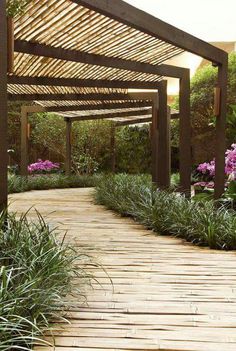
[
  {"x": 133, "y": 113},
  {"x": 135, "y": 18},
  {"x": 91, "y": 107},
  {"x": 37, "y": 49},
  {"x": 74, "y": 82},
  {"x": 70, "y": 97},
  {"x": 125, "y": 114},
  {"x": 135, "y": 121}
]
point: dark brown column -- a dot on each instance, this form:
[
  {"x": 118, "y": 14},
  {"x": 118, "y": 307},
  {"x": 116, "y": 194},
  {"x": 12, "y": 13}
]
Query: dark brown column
[
  {"x": 24, "y": 142},
  {"x": 113, "y": 148},
  {"x": 185, "y": 134},
  {"x": 163, "y": 141},
  {"x": 68, "y": 147},
  {"x": 220, "y": 130},
  {"x": 3, "y": 106},
  {"x": 154, "y": 138}
]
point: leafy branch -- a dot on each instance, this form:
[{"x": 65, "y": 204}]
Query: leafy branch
[{"x": 16, "y": 7}]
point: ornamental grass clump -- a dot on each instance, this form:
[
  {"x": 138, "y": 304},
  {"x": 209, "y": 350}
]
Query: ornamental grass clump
[
  {"x": 36, "y": 275},
  {"x": 169, "y": 213}
]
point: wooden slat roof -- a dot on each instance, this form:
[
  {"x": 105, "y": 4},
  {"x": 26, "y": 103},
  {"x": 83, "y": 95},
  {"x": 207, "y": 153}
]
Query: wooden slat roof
[
  {"x": 63, "y": 23},
  {"x": 67, "y": 25}
]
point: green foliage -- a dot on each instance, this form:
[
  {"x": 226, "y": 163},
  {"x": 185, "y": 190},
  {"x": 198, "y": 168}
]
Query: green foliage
[
  {"x": 84, "y": 164},
  {"x": 133, "y": 149},
  {"x": 16, "y": 7},
  {"x": 18, "y": 184},
  {"x": 90, "y": 140},
  {"x": 202, "y": 104},
  {"x": 169, "y": 213},
  {"x": 36, "y": 275},
  {"x": 231, "y": 124},
  {"x": 232, "y": 190}
]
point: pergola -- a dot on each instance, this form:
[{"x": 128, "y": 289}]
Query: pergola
[{"x": 85, "y": 55}]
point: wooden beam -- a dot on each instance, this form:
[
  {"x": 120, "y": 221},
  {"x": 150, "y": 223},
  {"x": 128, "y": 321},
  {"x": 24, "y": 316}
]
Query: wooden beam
[
  {"x": 37, "y": 49},
  {"x": 74, "y": 82},
  {"x": 124, "y": 114},
  {"x": 135, "y": 18},
  {"x": 90, "y": 107},
  {"x": 221, "y": 131},
  {"x": 163, "y": 141},
  {"x": 24, "y": 143},
  {"x": 68, "y": 147},
  {"x": 185, "y": 135},
  {"x": 3, "y": 107},
  {"x": 133, "y": 121},
  {"x": 69, "y": 97}
]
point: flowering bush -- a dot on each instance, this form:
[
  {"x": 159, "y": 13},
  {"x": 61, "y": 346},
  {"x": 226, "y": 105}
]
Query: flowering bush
[
  {"x": 207, "y": 172},
  {"x": 208, "y": 169},
  {"x": 43, "y": 167}
]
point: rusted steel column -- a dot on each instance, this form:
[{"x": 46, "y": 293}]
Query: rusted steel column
[
  {"x": 68, "y": 147},
  {"x": 185, "y": 134},
  {"x": 3, "y": 106},
  {"x": 24, "y": 142},
  {"x": 113, "y": 148},
  {"x": 221, "y": 130}
]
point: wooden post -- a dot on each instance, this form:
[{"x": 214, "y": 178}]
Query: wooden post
[
  {"x": 68, "y": 147},
  {"x": 113, "y": 148},
  {"x": 163, "y": 141},
  {"x": 3, "y": 106},
  {"x": 220, "y": 130},
  {"x": 10, "y": 45},
  {"x": 154, "y": 138},
  {"x": 185, "y": 134},
  {"x": 24, "y": 142}
]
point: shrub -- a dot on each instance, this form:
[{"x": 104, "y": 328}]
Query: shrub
[
  {"x": 36, "y": 274},
  {"x": 18, "y": 184},
  {"x": 168, "y": 213}
]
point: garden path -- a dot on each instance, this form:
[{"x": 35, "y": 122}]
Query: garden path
[{"x": 166, "y": 294}]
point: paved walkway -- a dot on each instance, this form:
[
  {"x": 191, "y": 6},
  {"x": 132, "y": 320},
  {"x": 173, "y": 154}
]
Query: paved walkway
[{"x": 166, "y": 294}]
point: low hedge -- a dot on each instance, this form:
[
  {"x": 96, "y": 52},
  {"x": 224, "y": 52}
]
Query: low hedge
[
  {"x": 18, "y": 184},
  {"x": 167, "y": 212}
]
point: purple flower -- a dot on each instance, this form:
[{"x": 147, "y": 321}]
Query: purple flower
[
  {"x": 42, "y": 166},
  {"x": 230, "y": 164}
]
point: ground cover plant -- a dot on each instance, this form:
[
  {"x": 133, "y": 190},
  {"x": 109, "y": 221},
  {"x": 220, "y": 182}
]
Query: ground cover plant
[
  {"x": 36, "y": 275},
  {"x": 18, "y": 184},
  {"x": 167, "y": 212}
]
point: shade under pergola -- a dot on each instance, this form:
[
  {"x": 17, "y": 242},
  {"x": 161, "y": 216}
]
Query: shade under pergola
[{"x": 74, "y": 53}]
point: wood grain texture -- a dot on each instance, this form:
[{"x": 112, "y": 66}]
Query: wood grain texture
[{"x": 166, "y": 294}]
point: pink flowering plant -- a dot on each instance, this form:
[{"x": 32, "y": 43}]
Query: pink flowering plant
[
  {"x": 206, "y": 170},
  {"x": 43, "y": 167}
]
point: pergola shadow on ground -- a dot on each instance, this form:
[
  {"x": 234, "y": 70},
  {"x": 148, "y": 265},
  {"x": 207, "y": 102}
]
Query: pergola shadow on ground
[{"x": 69, "y": 52}]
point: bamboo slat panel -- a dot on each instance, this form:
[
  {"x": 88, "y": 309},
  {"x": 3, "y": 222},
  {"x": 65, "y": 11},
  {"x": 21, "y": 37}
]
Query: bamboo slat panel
[
  {"x": 65, "y": 24},
  {"x": 166, "y": 295},
  {"x": 62, "y": 23},
  {"x": 36, "y": 66},
  {"x": 34, "y": 89}
]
